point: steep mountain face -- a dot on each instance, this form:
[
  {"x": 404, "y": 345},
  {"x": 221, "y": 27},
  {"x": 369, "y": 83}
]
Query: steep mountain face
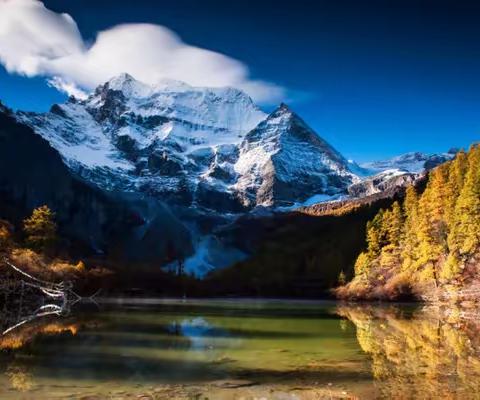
[
  {"x": 284, "y": 160},
  {"x": 210, "y": 148}
]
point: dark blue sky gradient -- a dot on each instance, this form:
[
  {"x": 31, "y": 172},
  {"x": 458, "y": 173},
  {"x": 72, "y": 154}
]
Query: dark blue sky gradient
[{"x": 374, "y": 78}]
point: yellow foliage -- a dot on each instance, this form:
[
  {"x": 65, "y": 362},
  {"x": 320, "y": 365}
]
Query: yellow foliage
[
  {"x": 5, "y": 235},
  {"x": 80, "y": 266},
  {"x": 40, "y": 229},
  {"x": 27, "y": 259},
  {"x": 362, "y": 264},
  {"x": 428, "y": 240}
]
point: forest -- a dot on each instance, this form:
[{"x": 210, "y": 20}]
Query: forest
[{"x": 425, "y": 247}]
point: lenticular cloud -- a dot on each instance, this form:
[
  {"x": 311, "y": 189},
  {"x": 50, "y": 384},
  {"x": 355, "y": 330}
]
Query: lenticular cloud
[{"x": 35, "y": 41}]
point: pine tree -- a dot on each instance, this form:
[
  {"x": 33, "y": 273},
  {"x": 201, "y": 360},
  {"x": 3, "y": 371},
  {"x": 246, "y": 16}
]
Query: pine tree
[
  {"x": 362, "y": 265},
  {"x": 375, "y": 242},
  {"x": 456, "y": 178},
  {"x": 342, "y": 279},
  {"x": 395, "y": 229},
  {"x": 457, "y": 172},
  {"x": 432, "y": 232},
  {"x": 392, "y": 227},
  {"x": 465, "y": 234},
  {"x": 375, "y": 235},
  {"x": 410, "y": 207},
  {"x": 40, "y": 229}
]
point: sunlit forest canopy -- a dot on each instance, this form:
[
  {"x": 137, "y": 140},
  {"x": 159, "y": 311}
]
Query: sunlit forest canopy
[{"x": 427, "y": 245}]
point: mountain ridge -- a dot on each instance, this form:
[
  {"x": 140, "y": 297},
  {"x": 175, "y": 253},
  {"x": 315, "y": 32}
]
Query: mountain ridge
[
  {"x": 210, "y": 154},
  {"x": 185, "y": 145}
]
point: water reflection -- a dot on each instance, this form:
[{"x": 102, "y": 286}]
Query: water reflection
[
  {"x": 308, "y": 349},
  {"x": 431, "y": 352}
]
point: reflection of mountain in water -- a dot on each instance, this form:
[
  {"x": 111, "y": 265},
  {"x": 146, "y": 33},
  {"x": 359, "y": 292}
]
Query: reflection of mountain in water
[{"x": 430, "y": 353}]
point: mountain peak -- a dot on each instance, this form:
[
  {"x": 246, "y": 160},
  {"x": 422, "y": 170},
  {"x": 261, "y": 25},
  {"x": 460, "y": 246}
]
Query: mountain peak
[
  {"x": 128, "y": 85},
  {"x": 283, "y": 161},
  {"x": 121, "y": 78},
  {"x": 171, "y": 85},
  {"x": 283, "y": 109}
]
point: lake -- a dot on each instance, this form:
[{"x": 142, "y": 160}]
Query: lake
[{"x": 243, "y": 349}]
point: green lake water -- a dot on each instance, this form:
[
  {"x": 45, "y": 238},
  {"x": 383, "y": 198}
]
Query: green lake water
[{"x": 243, "y": 349}]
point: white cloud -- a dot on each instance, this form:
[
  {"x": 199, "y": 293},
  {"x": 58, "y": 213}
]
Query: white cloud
[
  {"x": 35, "y": 41},
  {"x": 68, "y": 87}
]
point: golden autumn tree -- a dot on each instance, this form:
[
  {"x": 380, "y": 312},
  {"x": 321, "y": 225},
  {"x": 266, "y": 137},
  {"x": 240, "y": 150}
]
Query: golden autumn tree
[
  {"x": 392, "y": 228},
  {"x": 375, "y": 242},
  {"x": 375, "y": 235},
  {"x": 430, "y": 238},
  {"x": 464, "y": 238},
  {"x": 410, "y": 243},
  {"x": 432, "y": 229},
  {"x": 362, "y": 264},
  {"x": 456, "y": 177},
  {"x": 6, "y": 230},
  {"x": 40, "y": 229}
]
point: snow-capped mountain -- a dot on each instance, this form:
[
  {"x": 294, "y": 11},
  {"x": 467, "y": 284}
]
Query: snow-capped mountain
[
  {"x": 283, "y": 159},
  {"x": 211, "y": 148},
  {"x": 400, "y": 171},
  {"x": 209, "y": 153},
  {"x": 382, "y": 182},
  {"x": 414, "y": 162}
]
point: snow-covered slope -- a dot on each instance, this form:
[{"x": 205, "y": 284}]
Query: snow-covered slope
[
  {"x": 381, "y": 182},
  {"x": 284, "y": 160},
  {"x": 158, "y": 139},
  {"x": 414, "y": 162},
  {"x": 211, "y": 148}
]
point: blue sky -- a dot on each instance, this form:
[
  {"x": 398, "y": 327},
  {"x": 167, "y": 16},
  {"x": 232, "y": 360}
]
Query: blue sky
[{"x": 374, "y": 78}]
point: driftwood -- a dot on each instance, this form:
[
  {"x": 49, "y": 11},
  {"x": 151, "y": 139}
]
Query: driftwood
[{"x": 24, "y": 298}]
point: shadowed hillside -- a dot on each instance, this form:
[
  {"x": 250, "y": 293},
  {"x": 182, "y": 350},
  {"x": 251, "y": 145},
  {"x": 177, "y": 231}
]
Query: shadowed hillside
[{"x": 299, "y": 253}]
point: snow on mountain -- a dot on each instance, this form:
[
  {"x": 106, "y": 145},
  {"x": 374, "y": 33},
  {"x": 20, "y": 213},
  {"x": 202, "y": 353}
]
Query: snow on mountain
[
  {"x": 284, "y": 160},
  {"x": 414, "y": 162},
  {"x": 381, "y": 182},
  {"x": 213, "y": 115},
  {"x": 78, "y": 137},
  {"x": 212, "y": 148},
  {"x": 210, "y": 153},
  {"x": 157, "y": 139}
]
